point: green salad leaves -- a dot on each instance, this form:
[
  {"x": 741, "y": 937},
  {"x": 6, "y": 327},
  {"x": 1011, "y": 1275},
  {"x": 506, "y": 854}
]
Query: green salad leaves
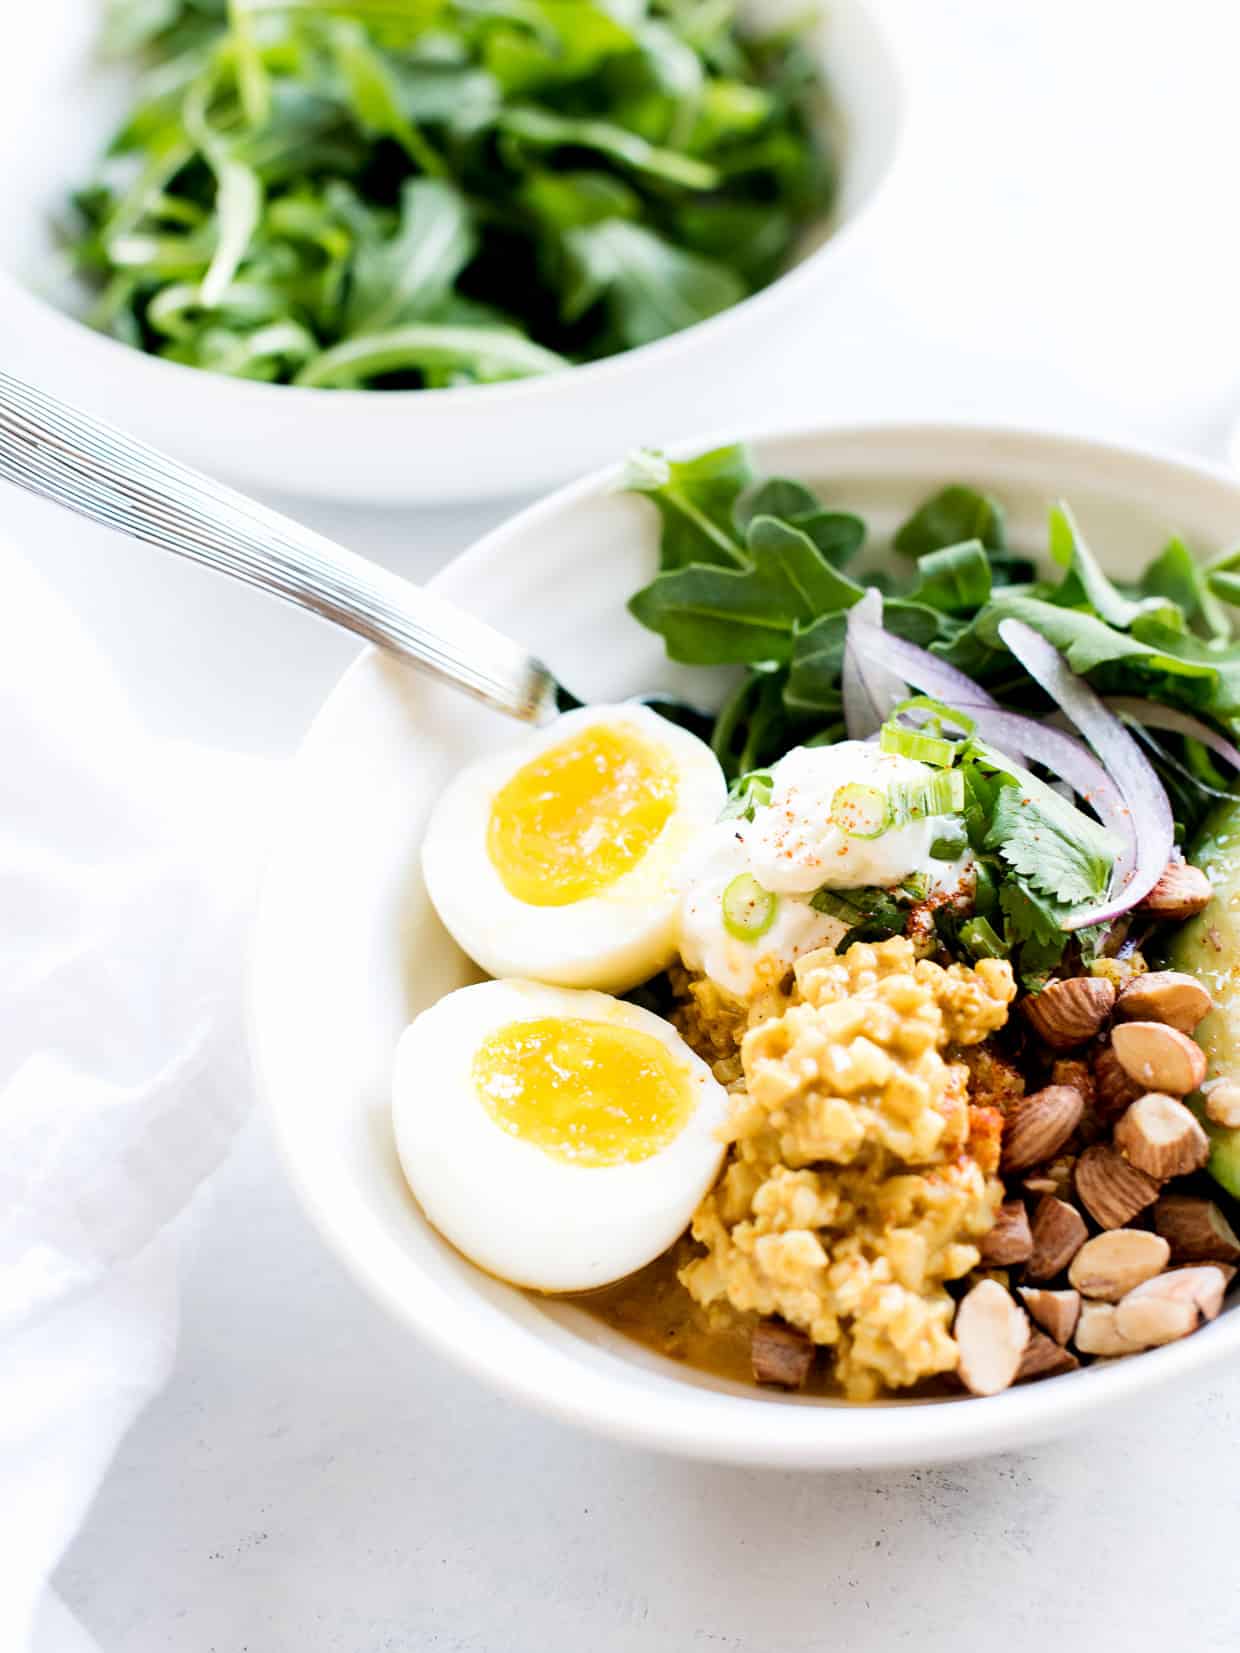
[
  {"x": 426, "y": 193},
  {"x": 761, "y": 573}
]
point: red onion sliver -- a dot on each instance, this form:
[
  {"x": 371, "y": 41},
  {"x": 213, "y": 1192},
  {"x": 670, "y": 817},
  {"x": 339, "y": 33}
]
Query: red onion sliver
[
  {"x": 1123, "y": 760},
  {"x": 1155, "y": 716},
  {"x": 925, "y": 671},
  {"x": 871, "y": 689}
]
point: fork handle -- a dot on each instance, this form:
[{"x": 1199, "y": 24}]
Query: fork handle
[{"x": 74, "y": 460}]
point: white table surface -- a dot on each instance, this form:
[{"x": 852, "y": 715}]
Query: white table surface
[{"x": 314, "y": 1481}]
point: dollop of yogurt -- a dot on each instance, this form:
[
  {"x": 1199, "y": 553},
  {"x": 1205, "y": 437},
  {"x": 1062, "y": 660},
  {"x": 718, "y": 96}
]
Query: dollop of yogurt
[
  {"x": 706, "y": 945},
  {"x": 792, "y": 848},
  {"x": 795, "y": 848}
]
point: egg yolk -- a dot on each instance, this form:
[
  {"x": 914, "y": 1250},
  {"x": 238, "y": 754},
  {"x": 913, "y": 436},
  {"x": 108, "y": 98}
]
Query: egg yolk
[
  {"x": 591, "y": 1093},
  {"x": 579, "y": 816}
]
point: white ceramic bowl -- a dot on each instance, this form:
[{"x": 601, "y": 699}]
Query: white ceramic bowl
[
  {"x": 394, "y": 446},
  {"x": 348, "y": 948}
]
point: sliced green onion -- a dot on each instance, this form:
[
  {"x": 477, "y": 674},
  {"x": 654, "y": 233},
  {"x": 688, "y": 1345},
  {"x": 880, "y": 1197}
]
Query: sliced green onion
[
  {"x": 941, "y": 794},
  {"x": 922, "y": 748},
  {"x": 951, "y": 843},
  {"x": 860, "y": 811},
  {"x": 748, "y": 909},
  {"x": 979, "y": 938},
  {"x": 940, "y": 713}
]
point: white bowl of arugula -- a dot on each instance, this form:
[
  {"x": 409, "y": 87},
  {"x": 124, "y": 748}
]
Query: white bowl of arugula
[
  {"x": 429, "y": 250},
  {"x": 1091, "y": 643}
]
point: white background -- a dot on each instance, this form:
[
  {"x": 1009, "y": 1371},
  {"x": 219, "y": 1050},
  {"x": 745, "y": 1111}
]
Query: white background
[{"x": 1063, "y": 252}]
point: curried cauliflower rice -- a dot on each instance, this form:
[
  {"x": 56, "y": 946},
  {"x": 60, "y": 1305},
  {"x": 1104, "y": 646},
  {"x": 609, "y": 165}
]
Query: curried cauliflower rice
[{"x": 859, "y": 1178}]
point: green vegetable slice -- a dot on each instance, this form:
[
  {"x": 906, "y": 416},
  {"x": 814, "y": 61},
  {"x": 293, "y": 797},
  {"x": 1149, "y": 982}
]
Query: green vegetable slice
[
  {"x": 860, "y": 811},
  {"x": 748, "y": 909},
  {"x": 915, "y": 744},
  {"x": 941, "y": 794}
]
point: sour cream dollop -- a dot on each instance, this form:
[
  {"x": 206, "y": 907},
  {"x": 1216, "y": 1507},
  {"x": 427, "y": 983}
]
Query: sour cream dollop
[{"x": 792, "y": 848}]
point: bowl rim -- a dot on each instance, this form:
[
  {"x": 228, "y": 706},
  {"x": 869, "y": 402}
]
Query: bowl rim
[
  {"x": 841, "y": 236},
  {"x": 688, "y": 1421}
]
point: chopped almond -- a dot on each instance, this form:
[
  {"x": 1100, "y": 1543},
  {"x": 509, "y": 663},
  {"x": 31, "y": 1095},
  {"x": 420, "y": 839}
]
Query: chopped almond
[{"x": 1162, "y": 1137}]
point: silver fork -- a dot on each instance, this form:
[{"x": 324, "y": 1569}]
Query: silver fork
[{"x": 64, "y": 455}]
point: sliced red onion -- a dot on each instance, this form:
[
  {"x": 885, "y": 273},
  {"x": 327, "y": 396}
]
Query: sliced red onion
[
  {"x": 1143, "y": 796},
  {"x": 925, "y": 671},
  {"x": 871, "y": 690},
  {"x": 1154, "y": 716}
]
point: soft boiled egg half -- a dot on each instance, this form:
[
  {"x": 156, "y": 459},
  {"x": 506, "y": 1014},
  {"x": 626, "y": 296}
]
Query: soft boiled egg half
[
  {"x": 558, "y": 859},
  {"x": 559, "y": 1139}
]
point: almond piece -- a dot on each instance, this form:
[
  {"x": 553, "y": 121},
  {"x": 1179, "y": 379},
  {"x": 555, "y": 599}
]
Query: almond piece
[
  {"x": 1168, "y": 996},
  {"x": 1036, "y": 1127},
  {"x": 780, "y": 1354},
  {"x": 1059, "y": 1232},
  {"x": 1110, "y": 1189},
  {"x": 1113, "y": 1089},
  {"x": 1181, "y": 892},
  {"x": 1201, "y": 1283},
  {"x": 1055, "y": 1311},
  {"x": 1159, "y": 1058},
  {"x": 1149, "y": 1321},
  {"x": 991, "y": 1333},
  {"x": 1044, "y": 1358},
  {"x": 1223, "y": 1102},
  {"x": 1160, "y": 1136},
  {"x": 1009, "y": 1241},
  {"x": 1196, "y": 1230},
  {"x": 1097, "y": 1333},
  {"x": 1110, "y": 1265},
  {"x": 1069, "y": 1013}
]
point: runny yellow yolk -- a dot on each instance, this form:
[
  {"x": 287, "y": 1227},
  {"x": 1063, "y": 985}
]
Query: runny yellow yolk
[
  {"x": 590, "y": 1093},
  {"x": 579, "y": 816}
]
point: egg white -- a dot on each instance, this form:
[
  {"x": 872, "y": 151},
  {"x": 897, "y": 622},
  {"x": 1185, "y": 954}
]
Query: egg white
[
  {"x": 518, "y": 1212},
  {"x": 611, "y": 940}
]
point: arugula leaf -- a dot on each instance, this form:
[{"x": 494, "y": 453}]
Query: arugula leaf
[
  {"x": 710, "y": 614},
  {"x": 955, "y": 579},
  {"x": 375, "y": 95},
  {"x": 1176, "y": 576},
  {"x": 543, "y": 129},
  {"x": 1084, "y": 582},
  {"x": 777, "y": 496},
  {"x": 753, "y": 726},
  {"x": 696, "y": 499},
  {"x": 618, "y": 171},
  {"x": 650, "y": 287},
  {"x": 406, "y": 278},
  {"x": 1087, "y": 642},
  {"x": 950, "y": 517}
]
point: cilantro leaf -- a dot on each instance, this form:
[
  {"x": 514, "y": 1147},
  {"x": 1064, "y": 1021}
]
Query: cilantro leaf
[
  {"x": 746, "y": 794},
  {"x": 1054, "y": 846}
]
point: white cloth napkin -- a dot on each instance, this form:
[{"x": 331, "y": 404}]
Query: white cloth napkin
[{"x": 126, "y": 876}]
